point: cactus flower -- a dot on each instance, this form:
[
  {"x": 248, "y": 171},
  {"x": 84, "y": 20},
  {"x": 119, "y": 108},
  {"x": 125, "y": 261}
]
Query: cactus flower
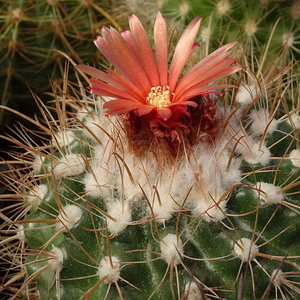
[{"x": 146, "y": 91}]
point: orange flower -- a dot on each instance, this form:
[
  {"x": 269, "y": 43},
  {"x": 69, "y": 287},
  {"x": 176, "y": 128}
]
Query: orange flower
[{"x": 143, "y": 83}]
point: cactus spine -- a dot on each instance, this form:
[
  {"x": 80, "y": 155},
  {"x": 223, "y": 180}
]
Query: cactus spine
[{"x": 216, "y": 219}]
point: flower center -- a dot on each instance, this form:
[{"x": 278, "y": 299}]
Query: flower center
[{"x": 159, "y": 96}]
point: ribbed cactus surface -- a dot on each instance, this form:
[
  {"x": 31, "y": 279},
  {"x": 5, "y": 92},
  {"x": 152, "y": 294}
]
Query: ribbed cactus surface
[
  {"x": 104, "y": 224},
  {"x": 170, "y": 198},
  {"x": 32, "y": 33},
  {"x": 259, "y": 24}
]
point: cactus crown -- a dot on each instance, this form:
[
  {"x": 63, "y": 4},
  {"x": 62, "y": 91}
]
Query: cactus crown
[{"x": 153, "y": 100}]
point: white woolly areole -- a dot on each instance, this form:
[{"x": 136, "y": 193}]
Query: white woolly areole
[
  {"x": 257, "y": 154},
  {"x": 229, "y": 176},
  {"x": 68, "y": 217},
  {"x": 223, "y": 7},
  {"x": 171, "y": 249},
  {"x": 277, "y": 278},
  {"x": 269, "y": 192},
  {"x": 295, "y": 157},
  {"x": 192, "y": 292},
  {"x": 246, "y": 94},
  {"x": 63, "y": 138},
  {"x": 94, "y": 125},
  {"x": 20, "y": 233},
  {"x": 288, "y": 39},
  {"x": 131, "y": 188},
  {"x": 294, "y": 121},
  {"x": 109, "y": 268},
  {"x": 37, "y": 194},
  {"x": 56, "y": 259},
  {"x": 254, "y": 152},
  {"x": 262, "y": 123},
  {"x": 70, "y": 165},
  {"x": 83, "y": 112},
  {"x": 211, "y": 211},
  {"x": 108, "y": 172},
  {"x": 96, "y": 181},
  {"x": 198, "y": 183},
  {"x": 163, "y": 210},
  {"x": 245, "y": 249},
  {"x": 37, "y": 164},
  {"x": 121, "y": 212}
]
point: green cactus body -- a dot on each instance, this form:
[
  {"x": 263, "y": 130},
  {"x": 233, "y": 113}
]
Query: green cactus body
[
  {"x": 113, "y": 226},
  {"x": 256, "y": 24},
  {"x": 219, "y": 219},
  {"x": 31, "y": 32}
]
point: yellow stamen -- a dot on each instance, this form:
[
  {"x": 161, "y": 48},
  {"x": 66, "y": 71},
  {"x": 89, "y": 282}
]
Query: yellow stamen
[{"x": 159, "y": 96}]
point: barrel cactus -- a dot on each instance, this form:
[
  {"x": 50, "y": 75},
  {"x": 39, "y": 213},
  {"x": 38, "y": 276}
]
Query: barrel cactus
[
  {"x": 31, "y": 32},
  {"x": 157, "y": 185},
  {"x": 255, "y": 24}
]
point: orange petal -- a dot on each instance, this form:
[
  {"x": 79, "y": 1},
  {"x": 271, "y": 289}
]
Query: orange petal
[
  {"x": 161, "y": 48},
  {"x": 144, "y": 50},
  {"x": 183, "y": 51}
]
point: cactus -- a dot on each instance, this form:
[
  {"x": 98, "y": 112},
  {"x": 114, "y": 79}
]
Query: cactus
[
  {"x": 251, "y": 22},
  {"x": 184, "y": 193},
  {"x": 30, "y": 34}
]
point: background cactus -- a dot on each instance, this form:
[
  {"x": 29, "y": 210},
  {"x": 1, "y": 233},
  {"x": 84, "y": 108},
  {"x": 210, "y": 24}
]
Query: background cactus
[
  {"x": 250, "y": 22},
  {"x": 30, "y": 34},
  {"x": 97, "y": 221}
]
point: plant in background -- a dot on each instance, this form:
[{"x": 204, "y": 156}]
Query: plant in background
[
  {"x": 168, "y": 190},
  {"x": 251, "y": 22},
  {"x": 31, "y": 32}
]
